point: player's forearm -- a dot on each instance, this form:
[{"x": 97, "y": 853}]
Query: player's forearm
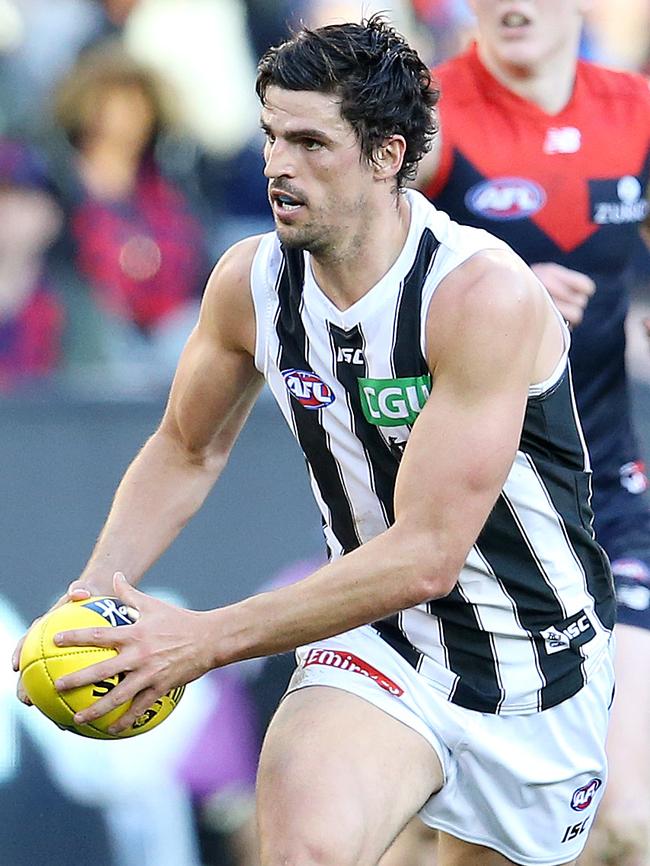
[
  {"x": 381, "y": 577},
  {"x": 159, "y": 493}
]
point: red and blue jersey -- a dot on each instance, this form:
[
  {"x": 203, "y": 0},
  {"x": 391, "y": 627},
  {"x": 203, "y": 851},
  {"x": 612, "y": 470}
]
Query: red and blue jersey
[{"x": 566, "y": 188}]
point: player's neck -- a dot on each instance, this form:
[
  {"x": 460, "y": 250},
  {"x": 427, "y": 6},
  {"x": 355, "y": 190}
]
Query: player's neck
[
  {"x": 549, "y": 84},
  {"x": 348, "y": 274}
]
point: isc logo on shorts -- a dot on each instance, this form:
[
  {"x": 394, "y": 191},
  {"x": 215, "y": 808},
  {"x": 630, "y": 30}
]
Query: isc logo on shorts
[{"x": 345, "y": 661}]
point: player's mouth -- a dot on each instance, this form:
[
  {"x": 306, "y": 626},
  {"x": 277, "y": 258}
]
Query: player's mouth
[
  {"x": 515, "y": 21},
  {"x": 285, "y": 204}
]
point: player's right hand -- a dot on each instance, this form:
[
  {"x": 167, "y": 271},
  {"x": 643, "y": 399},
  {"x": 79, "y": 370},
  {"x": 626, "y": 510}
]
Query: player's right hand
[
  {"x": 571, "y": 290},
  {"x": 77, "y": 591}
]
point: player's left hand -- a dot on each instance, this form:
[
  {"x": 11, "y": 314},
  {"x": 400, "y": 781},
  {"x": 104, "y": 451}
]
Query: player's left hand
[{"x": 163, "y": 649}]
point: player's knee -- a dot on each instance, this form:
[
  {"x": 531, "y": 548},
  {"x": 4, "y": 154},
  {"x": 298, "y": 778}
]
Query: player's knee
[{"x": 304, "y": 853}]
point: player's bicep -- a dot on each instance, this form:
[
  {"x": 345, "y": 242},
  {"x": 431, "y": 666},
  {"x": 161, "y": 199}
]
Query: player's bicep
[
  {"x": 216, "y": 381},
  {"x": 463, "y": 444}
]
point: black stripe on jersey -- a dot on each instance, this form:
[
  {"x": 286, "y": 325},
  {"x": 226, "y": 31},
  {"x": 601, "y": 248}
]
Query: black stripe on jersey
[
  {"x": 407, "y": 361},
  {"x": 382, "y": 462},
  {"x": 391, "y": 631},
  {"x": 567, "y": 485},
  {"x": 510, "y": 554},
  {"x": 310, "y": 433},
  {"x": 470, "y": 654},
  {"x": 407, "y": 354}
]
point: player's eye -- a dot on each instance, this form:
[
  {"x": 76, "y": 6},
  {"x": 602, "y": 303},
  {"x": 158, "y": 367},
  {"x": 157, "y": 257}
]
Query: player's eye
[{"x": 312, "y": 144}]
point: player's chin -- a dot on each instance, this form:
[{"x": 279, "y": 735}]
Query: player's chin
[{"x": 292, "y": 237}]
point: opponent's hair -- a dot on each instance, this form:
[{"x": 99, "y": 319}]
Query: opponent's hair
[{"x": 384, "y": 87}]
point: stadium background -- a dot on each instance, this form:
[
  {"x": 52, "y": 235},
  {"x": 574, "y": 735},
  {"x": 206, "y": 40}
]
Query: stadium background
[{"x": 67, "y": 432}]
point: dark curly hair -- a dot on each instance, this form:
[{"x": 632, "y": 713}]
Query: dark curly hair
[{"x": 384, "y": 86}]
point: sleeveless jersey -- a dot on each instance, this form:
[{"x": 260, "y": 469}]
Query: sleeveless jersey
[
  {"x": 566, "y": 188},
  {"x": 529, "y": 618}
]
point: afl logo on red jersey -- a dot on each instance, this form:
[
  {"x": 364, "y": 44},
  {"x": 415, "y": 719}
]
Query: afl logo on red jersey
[
  {"x": 308, "y": 389},
  {"x": 505, "y": 198}
]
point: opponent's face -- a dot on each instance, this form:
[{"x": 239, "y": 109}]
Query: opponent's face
[
  {"x": 525, "y": 33},
  {"x": 318, "y": 182}
]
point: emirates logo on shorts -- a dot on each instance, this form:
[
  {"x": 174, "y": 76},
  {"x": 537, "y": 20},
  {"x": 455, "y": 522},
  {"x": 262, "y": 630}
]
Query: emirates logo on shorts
[{"x": 348, "y": 662}]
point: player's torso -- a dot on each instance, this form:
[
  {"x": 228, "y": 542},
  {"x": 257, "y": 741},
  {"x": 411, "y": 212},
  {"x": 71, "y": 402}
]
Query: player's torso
[
  {"x": 350, "y": 385},
  {"x": 568, "y": 188}
]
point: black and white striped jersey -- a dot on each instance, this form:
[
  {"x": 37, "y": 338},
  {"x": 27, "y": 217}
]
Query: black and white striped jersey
[{"x": 531, "y": 614}]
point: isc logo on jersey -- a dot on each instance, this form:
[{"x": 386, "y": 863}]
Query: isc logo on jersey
[
  {"x": 308, "y": 388},
  {"x": 505, "y": 198}
]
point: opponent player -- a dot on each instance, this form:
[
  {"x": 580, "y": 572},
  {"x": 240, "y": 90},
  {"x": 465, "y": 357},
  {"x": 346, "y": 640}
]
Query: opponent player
[
  {"x": 558, "y": 170},
  {"x": 454, "y": 654}
]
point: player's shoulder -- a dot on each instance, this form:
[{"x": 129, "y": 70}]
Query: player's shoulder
[
  {"x": 494, "y": 275},
  {"x": 607, "y": 83}
]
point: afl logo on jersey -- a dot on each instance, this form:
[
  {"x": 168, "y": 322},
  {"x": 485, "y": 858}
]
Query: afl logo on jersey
[
  {"x": 308, "y": 389},
  {"x": 505, "y": 198}
]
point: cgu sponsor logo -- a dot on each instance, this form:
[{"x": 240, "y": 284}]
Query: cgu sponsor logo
[
  {"x": 345, "y": 661},
  {"x": 394, "y": 402},
  {"x": 505, "y": 198},
  {"x": 583, "y": 797},
  {"x": 573, "y": 632},
  {"x": 308, "y": 388},
  {"x": 114, "y": 611}
]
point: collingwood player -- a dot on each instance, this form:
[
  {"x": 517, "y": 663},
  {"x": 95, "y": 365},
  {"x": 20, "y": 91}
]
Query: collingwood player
[{"x": 454, "y": 654}]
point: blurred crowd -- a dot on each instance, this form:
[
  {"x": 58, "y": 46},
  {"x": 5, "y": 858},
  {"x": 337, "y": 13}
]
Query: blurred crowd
[{"x": 130, "y": 158}]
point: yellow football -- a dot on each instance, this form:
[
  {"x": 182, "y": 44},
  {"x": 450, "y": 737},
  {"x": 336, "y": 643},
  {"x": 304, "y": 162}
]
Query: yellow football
[{"x": 42, "y": 663}]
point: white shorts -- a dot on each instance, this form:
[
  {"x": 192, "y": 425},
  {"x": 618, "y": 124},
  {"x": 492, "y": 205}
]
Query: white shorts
[{"x": 527, "y": 786}]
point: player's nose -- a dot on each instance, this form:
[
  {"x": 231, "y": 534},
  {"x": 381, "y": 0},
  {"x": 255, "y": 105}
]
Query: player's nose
[{"x": 278, "y": 160}]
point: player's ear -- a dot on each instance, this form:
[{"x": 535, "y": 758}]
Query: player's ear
[{"x": 388, "y": 158}]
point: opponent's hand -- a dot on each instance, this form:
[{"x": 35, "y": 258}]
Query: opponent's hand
[
  {"x": 163, "y": 649},
  {"x": 77, "y": 591},
  {"x": 571, "y": 290}
]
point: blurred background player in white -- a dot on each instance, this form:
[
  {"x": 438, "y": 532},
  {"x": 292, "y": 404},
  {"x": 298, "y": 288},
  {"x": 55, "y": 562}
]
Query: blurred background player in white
[{"x": 552, "y": 154}]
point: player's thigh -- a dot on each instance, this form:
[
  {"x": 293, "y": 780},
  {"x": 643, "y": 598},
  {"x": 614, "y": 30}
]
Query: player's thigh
[
  {"x": 628, "y": 741},
  {"x": 416, "y": 845},
  {"x": 455, "y": 852},
  {"x": 338, "y": 779}
]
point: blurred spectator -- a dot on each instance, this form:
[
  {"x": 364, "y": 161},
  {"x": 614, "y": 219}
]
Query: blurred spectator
[
  {"x": 39, "y": 41},
  {"x": 31, "y": 314},
  {"x": 203, "y": 49},
  {"x": 449, "y": 23},
  {"x": 619, "y": 33},
  {"x": 132, "y": 236}
]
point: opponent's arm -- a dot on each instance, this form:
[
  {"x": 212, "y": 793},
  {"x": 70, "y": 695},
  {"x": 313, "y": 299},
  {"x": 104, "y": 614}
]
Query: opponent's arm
[
  {"x": 484, "y": 329},
  {"x": 571, "y": 290}
]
